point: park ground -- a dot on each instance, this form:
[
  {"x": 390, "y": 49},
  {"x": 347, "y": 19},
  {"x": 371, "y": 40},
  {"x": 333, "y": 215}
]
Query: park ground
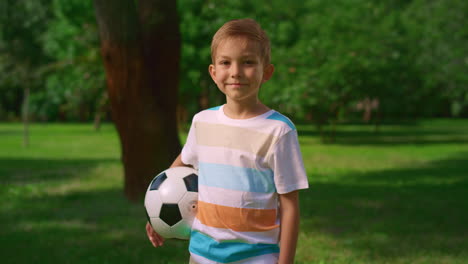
[{"x": 397, "y": 196}]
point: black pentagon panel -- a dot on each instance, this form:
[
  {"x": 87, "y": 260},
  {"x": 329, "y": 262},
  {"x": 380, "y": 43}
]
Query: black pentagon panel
[
  {"x": 191, "y": 182},
  {"x": 170, "y": 214},
  {"x": 158, "y": 181}
]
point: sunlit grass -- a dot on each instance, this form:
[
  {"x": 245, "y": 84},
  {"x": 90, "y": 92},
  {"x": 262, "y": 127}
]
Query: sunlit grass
[{"x": 398, "y": 196}]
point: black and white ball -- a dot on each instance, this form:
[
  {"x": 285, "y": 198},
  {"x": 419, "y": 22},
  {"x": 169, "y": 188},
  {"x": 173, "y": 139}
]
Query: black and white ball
[{"x": 171, "y": 202}]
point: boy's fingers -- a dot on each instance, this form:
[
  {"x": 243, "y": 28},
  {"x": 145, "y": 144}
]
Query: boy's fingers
[
  {"x": 153, "y": 236},
  {"x": 159, "y": 239},
  {"x": 148, "y": 227},
  {"x": 149, "y": 233}
]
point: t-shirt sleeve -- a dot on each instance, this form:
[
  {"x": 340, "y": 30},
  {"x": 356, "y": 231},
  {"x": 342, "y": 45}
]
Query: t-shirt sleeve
[
  {"x": 287, "y": 164},
  {"x": 189, "y": 153}
]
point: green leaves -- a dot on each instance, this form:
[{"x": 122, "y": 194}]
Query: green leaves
[{"x": 328, "y": 55}]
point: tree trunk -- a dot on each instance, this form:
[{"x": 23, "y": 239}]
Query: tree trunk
[
  {"x": 97, "y": 121},
  {"x": 25, "y": 109},
  {"x": 100, "y": 111},
  {"x": 140, "y": 47}
]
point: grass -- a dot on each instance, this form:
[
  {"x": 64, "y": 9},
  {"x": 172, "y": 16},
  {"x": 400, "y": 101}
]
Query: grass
[{"x": 399, "y": 196}]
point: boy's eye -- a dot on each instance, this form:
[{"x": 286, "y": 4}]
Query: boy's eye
[
  {"x": 249, "y": 62},
  {"x": 224, "y": 62}
]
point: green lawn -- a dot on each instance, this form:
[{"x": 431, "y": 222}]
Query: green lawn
[{"x": 400, "y": 196}]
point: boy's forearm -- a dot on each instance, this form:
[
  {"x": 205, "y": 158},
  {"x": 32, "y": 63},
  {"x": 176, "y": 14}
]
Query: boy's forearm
[
  {"x": 289, "y": 227},
  {"x": 178, "y": 162}
]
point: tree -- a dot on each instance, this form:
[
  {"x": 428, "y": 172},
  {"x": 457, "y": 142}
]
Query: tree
[
  {"x": 74, "y": 85},
  {"x": 140, "y": 48},
  {"x": 49, "y": 50},
  {"x": 438, "y": 33},
  {"x": 20, "y": 50}
]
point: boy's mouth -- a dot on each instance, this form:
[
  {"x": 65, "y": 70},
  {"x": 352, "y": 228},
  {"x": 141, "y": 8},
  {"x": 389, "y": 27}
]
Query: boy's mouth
[{"x": 236, "y": 84}]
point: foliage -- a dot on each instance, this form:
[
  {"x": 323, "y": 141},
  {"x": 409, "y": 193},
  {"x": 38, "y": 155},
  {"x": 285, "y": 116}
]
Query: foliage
[
  {"x": 438, "y": 30},
  {"x": 21, "y": 25},
  {"x": 328, "y": 56},
  {"x": 75, "y": 83},
  {"x": 53, "y": 44}
]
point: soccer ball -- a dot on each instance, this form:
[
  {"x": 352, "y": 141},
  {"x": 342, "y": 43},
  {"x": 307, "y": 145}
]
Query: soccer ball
[{"x": 171, "y": 202}]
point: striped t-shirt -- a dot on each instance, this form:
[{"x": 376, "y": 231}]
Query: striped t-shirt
[{"x": 243, "y": 164}]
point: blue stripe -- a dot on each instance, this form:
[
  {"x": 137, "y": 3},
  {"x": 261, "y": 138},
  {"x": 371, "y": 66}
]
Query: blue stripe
[
  {"x": 214, "y": 108},
  {"x": 224, "y": 252},
  {"x": 236, "y": 178},
  {"x": 279, "y": 117}
]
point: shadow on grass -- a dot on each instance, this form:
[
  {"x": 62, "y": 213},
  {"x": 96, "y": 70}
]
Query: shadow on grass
[
  {"x": 391, "y": 135},
  {"x": 95, "y": 226},
  {"x": 27, "y": 171},
  {"x": 82, "y": 227},
  {"x": 405, "y": 212}
]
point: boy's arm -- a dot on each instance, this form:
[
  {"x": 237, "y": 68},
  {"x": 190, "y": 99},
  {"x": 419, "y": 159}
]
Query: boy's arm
[
  {"x": 289, "y": 213},
  {"x": 178, "y": 162}
]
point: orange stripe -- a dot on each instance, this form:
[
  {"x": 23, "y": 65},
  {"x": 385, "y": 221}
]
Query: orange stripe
[{"x": 237, "y": 219}]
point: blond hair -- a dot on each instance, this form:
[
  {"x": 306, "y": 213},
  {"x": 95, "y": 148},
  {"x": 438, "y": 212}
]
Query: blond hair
[{"x": 248, "y": 28}]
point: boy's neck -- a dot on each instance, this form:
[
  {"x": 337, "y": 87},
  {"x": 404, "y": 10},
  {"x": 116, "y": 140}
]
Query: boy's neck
[{"x": 237, "y": 110}]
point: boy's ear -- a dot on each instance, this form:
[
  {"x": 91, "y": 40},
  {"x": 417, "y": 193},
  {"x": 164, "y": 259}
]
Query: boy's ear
[
  {"x": 268, "y": 72},
  {"x": 212, "y": 71}
]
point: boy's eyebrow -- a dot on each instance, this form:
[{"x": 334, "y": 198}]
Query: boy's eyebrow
[{"x": 248, "y": 55}]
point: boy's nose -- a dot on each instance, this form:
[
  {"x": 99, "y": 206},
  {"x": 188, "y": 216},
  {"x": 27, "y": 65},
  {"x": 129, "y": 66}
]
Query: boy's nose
[{"x": 235, "y": 70}]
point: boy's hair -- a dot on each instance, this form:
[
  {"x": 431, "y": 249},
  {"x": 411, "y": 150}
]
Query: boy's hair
[{"x": 248, "y": 28}]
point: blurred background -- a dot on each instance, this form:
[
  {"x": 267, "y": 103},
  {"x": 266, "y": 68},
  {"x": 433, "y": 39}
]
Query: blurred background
[
  {"x": 378, "y": 90},
  {"x": 334, "y": 59}
]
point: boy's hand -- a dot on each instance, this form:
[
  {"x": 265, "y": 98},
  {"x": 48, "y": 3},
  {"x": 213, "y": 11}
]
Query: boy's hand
[{"x": 154, "y": 237}]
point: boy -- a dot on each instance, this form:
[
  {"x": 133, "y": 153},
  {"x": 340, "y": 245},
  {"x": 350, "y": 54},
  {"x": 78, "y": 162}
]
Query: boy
[{"x": 248, "y": 158}]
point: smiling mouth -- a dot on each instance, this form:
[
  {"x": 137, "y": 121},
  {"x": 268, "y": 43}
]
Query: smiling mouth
[{"x": 236, "y": 84}]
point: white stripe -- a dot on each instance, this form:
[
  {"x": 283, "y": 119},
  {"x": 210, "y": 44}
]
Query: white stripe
[
  {"x": 221, "y": 234},
  {"x": 239, "y": 199},
  {"x": 233, "y": 157}
]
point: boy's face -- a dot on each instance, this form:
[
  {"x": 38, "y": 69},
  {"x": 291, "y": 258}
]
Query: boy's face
[{"x": 238, "y": 70}]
